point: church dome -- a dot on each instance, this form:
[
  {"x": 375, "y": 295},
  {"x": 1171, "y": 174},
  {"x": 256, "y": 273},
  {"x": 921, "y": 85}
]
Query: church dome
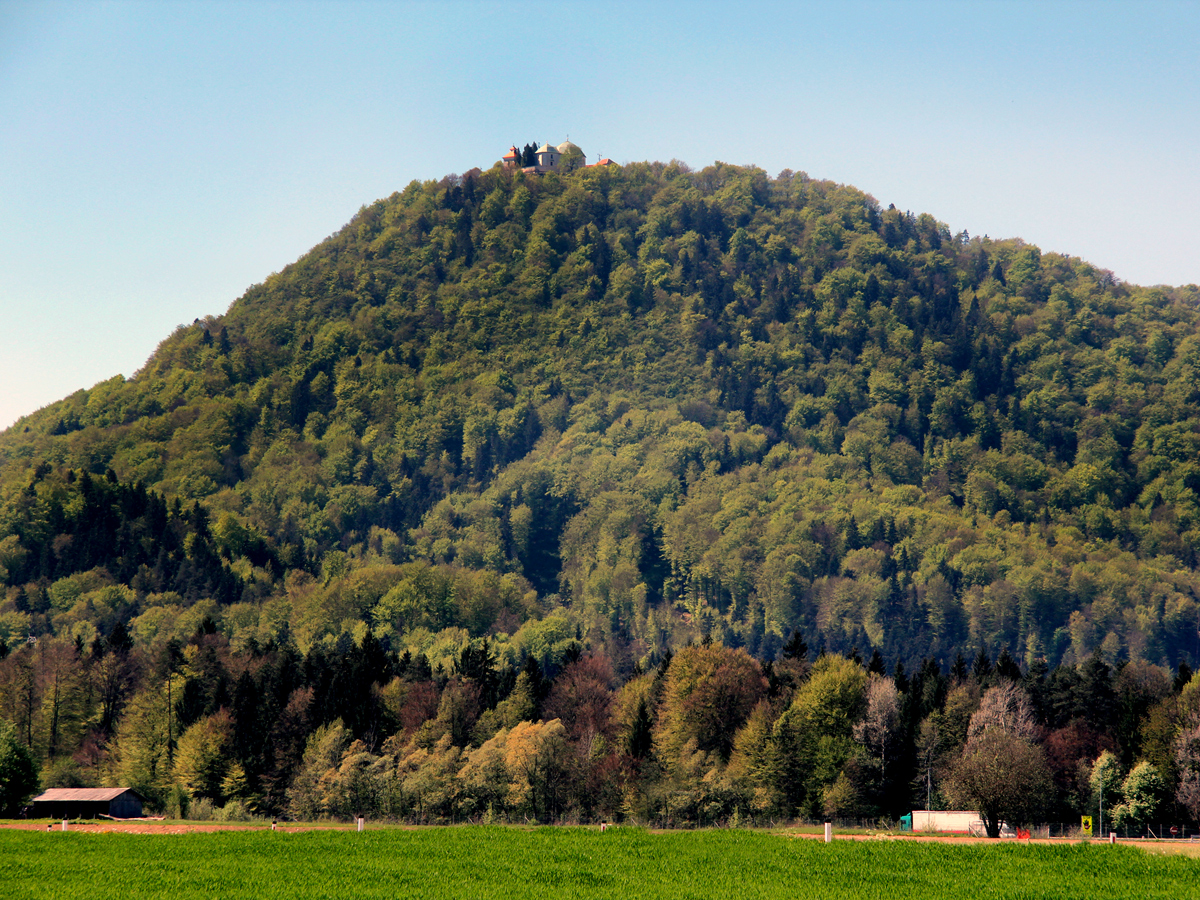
[{"x": 567, "y": 145}]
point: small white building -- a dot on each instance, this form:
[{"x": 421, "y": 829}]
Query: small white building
[
  {"x": 548, "y": 157},
  {"x": 954, "y": 821}
]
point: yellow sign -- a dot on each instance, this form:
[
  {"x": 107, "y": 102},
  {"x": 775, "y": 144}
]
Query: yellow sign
[{"x": 1085, "y": 826}]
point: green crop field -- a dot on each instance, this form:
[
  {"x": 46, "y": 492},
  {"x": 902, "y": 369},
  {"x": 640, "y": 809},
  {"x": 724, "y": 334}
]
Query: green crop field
[{"x": 562, "y": 863}]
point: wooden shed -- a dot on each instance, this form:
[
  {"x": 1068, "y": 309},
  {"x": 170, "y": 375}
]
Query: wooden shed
[{"x": 88, "y": 803}]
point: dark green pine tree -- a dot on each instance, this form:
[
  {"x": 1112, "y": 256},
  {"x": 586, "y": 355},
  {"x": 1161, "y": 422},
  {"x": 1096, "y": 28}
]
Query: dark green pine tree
[{"x": 641, "y": 736}]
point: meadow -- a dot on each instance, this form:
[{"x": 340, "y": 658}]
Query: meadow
[{"x": 494, "y": 863}]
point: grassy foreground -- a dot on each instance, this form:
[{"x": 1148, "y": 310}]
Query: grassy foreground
[{"x": 510, "y": 864}]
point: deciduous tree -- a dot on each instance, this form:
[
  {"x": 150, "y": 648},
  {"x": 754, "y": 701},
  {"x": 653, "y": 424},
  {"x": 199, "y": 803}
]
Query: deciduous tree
[
  {"x": 1003, "y": 776},
  {"x": 204, "y": 755},
  {"x": 709, "y": 693},
  {"x": 816, "y": 732},
  {"x": 1143, "y": 793}
]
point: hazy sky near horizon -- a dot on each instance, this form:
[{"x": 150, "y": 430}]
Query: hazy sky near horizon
[{"x": 158, "y": 158}]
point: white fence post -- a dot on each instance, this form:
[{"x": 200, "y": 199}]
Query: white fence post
[{"x": 828, "y": 832}]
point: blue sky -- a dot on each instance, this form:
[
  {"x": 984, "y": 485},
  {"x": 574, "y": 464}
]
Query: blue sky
[{"x": 158, "y": 158}]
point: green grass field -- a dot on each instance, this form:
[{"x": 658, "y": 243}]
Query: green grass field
[{"x": 561, "y": 863}]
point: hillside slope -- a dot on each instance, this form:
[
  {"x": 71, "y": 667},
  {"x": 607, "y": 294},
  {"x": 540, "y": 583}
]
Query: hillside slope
[{"x": 638, "y": 406}]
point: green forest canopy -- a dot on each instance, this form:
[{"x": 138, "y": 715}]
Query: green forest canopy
[
  {"x": 628, "y": 409},
  {"x": 665, "y": 403}
]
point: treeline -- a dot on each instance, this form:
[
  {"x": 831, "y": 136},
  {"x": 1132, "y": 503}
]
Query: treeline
[{"x": 706, "y": 735}]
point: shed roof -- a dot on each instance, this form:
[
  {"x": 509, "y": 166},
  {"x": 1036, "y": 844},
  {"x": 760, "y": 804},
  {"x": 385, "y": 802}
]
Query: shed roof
[{"x": 75, "y": 795}]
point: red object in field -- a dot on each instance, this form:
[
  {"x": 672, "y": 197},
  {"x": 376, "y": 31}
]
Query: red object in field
[{"x": 1022, "y": 834}]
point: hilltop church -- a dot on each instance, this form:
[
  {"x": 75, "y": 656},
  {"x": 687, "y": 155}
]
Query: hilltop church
[{"x": 545, "y": 158}]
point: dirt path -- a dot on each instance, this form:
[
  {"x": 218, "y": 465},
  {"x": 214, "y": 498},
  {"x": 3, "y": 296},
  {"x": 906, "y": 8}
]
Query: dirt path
[
  {"x": 152, "y": 826},
  {"x": 159, "y": 826},
  {"x": 1182, "y": 847}
]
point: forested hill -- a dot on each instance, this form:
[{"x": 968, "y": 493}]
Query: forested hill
[{"x": 635, "y": 407}]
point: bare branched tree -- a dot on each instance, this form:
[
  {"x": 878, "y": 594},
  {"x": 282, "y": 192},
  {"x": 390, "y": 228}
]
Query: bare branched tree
[
  {"x": 877, "y": 729},
  {"x": 1187, "y": 759},
  {"x": 1006, "y": 707}
]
